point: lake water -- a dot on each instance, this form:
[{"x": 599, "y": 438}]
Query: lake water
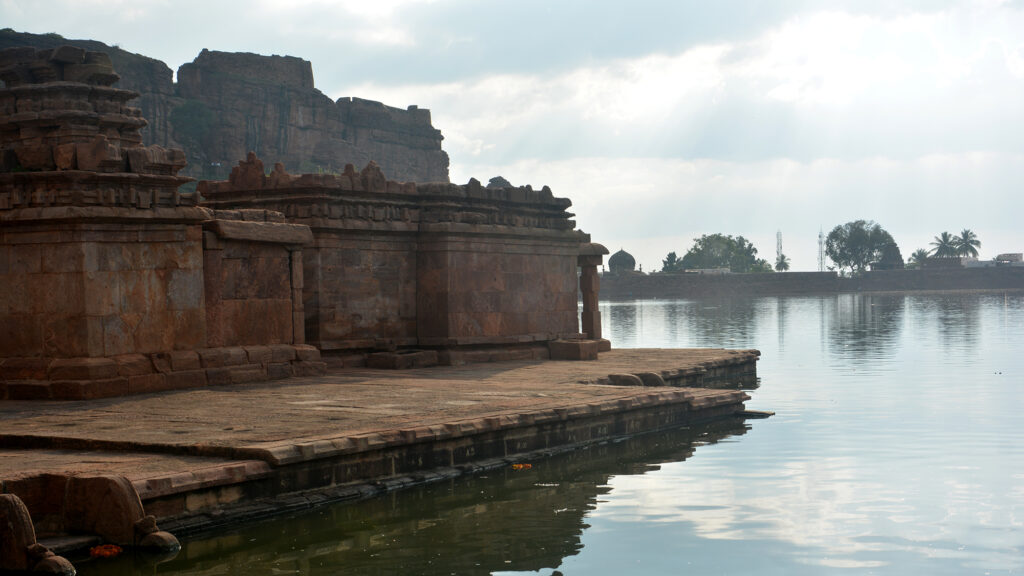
[{"x": 897, "y": 448}]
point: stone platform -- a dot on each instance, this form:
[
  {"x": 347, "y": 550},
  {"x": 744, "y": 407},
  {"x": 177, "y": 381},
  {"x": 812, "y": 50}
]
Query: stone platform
[{"x": 217, "y": 454}]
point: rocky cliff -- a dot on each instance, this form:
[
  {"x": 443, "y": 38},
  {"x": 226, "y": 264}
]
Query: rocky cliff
[{"x": 227, "y": 104}]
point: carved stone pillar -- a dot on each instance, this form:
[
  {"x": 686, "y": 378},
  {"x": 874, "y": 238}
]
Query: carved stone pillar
[{"x": 590, "y": 286}]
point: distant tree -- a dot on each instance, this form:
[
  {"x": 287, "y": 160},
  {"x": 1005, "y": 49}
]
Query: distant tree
[
  {"x": 672, "y": 263},
  {"x": 720, "y": 251},
  {"x": 944, "y": 246},
  {"x": 891, "y": 258},
  {"x": 967, "y": 243},
  {"x": 857, "y": 244},
  {"x": 781, "y": 263},
  {"x": 917, "y": 258}
]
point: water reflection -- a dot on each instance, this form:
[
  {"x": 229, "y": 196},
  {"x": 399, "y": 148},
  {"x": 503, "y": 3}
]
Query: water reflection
[
  {"x": 503, "y": 520},
  {"x": 863, "y": 329},
  {"x": 853, "y": 328},
  {"x": 955, "y": 317}
]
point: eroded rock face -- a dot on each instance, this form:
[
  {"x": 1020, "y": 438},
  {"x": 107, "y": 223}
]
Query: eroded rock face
[
  {"x": 226, "y": 104},
  {"x": 268, "y": 104}
]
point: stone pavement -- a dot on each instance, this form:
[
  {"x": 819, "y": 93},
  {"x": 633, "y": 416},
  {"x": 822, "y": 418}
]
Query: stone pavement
[{"x": 213, "y": 429}]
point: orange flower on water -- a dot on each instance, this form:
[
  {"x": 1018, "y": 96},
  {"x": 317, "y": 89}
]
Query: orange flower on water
[
  {"x": 522, "y": 466},
  {"x": 105, "y": 551}
]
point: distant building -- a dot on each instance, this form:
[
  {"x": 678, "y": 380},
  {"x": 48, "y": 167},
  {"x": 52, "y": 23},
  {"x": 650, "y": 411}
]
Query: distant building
[
  {"x": 708, "y": 271},
  {"x": 621, "y": 262},
  {"x": 951, "y": 262}
]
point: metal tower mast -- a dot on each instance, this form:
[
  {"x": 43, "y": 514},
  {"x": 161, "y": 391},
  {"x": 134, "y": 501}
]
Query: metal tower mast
[
  {"x": 821, "y": 251},
  {"x": 778, "y": 245}
]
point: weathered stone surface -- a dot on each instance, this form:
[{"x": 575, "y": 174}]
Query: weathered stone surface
[
  {"x": 573, "y": 349},
  {"x": 402, "y": 360},
  {"x": 82, "y": 369},
  {"x": 278, "y": 233},
  {"x": 651, "y": 378},
  {"x": 16, "y": 534},
  {"x": 103, "y": 505},
  {"x": 625, "y": 380}
]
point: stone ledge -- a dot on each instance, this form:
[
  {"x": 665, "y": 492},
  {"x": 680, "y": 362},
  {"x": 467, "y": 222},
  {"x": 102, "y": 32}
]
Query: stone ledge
[
  {"x": 309, "y": 449},
  {"x": 224, "y": 474},
  {"x": 273, "y": 232},
  {"x": 573, "y": 349},
  {"x": 90, "y": 378}
]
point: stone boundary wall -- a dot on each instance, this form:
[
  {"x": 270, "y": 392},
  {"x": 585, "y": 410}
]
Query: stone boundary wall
[
  {"x": 636, "y": 286},
  {"x": 994, "y": 278},
  {"x": 666, "y": 286}
]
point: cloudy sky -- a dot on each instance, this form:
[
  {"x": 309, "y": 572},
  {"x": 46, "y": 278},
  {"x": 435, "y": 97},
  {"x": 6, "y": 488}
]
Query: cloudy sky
[{"x": 663, "y": 120}]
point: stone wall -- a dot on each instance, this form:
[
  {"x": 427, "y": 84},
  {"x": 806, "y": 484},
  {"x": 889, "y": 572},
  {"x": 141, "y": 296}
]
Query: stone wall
[
  {"x": 252, "y": 265},
  {"x": 400, "y": 265},
  {"x": 639, "y": 286},
  {"x": 630, "y": 286},
  {"x": 268, "y": 104},
  {"x": 77, "y": 287},
  {"x": 494, "y": 290}
]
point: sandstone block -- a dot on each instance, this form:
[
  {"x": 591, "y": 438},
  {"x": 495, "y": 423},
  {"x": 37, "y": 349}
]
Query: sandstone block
[
  {"x": 573, "y": 349},
  {"x": 64, "y": 156},
  {"x": 94, "y": 155},
  {"x": 104, "y": 505},
  {"x": 186, "y": 379},
  {"x": 16, "y": 537},
  {"x": 402, "y": 360},
  {"x": 82, "y": 369},
  {"x": 258, "y": 354},
  {"x": 218, "y": 376},
  {"x": 147, "y": 383},
  {"x": 27, "y": 390},
  {"x": 182, "y": 360},
  {"x": 625, "y": 380},
  {"x": 309, "y": 368},
  {"x": 282, "y": 353},
  {"x": 25, "y": 368},
  {"x": 39, "y": 157},
  {"x": 279, "y": 370},
  {"x": 306, "y": 353},
  {"x": 213, "y": 357},
  {"x": 236, "y": 356},
  {"x": 248, "y": 373},
  {"x": 88, "y": 389},
  {"x": 161, "y": 362}
]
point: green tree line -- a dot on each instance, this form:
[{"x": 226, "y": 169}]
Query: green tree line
[{"x": 853, "y": 247}]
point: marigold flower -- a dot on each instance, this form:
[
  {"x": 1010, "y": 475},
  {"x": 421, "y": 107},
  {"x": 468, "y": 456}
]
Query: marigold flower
[{"x": 105, "y": 551}]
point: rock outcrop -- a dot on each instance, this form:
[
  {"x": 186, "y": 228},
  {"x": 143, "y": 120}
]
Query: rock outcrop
[{"x": 227, "y": 104}]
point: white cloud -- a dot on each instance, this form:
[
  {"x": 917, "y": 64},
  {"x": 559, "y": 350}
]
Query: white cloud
[{"x": 807, "y": 119}]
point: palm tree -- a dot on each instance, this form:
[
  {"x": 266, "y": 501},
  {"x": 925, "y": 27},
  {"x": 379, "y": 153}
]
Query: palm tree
[
  {"x": 782, "y": 263},
  {"x": 967, "y": 243},
  {"x": 918, "y": 257},
  {"x": 944, "y": 246}
]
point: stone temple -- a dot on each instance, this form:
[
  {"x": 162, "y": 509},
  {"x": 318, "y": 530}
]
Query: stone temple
[{"x": 113, "y": 281}]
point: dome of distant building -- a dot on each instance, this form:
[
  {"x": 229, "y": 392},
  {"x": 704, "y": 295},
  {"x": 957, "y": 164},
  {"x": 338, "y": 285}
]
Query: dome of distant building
[{"x": 621, "y": 261}]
